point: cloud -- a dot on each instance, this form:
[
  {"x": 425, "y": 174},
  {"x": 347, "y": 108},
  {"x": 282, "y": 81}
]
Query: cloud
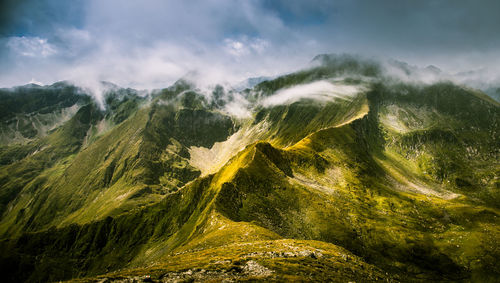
[
  {"x": 33, "y": 81},
  {"x": 31, "y": 46},
  {"x": 152, "y": 43},
  {"x": 319, "y": 91},
  {"x": 245, "y": 46},
  {"x": 238, "y": 107}
]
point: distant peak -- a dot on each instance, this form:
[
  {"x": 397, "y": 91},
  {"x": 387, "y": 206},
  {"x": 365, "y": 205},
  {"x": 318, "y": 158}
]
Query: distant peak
[{"x": 433, "y": 69}]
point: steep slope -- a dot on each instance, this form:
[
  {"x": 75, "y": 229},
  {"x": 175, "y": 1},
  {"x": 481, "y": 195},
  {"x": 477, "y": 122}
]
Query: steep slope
[
  {"x": 339, "y": 185},
  {"x": 24, "y": 164},
  {"x": 389, "y": 181},
  {"x": 442, "y": 131},
  {"x": 286, "y": 123},
  {"x": 131, "y": 165},
  {"x": 31, "y": 111},
  {"x": 186, "y": 222}
]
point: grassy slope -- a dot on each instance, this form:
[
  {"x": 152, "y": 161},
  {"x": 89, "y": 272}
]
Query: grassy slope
[
  {"x": 441, "y": 143},
  {"x": 333, "y": 186},
  {"x": 25, "y": 164},
  {"x": 345, "y": 185},
  {"x": 31, "y": 111},
  {"x": 134, "y": 164}
]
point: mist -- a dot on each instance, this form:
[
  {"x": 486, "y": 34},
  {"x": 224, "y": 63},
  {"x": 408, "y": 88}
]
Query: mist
[
  {"x": 319, "y": 91},
  {"x": 151, "y": 44}
]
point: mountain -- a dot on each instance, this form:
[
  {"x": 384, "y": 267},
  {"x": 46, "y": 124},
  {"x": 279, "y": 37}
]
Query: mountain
[
  {"x": 494, "y": 92},
  {"x": 250, "y": 83},
  {"x": 337, "y": 172}
]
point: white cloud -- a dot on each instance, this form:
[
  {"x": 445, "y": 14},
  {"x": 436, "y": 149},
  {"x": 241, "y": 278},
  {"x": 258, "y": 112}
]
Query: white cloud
[
  {"x": 259, "y": 45},
  {"x": 238, "y": 107},
  {"x": 235, "y": 48},
  {"x": 152, "y": 43},
  {"x": 31, "y": 46},
  {"x": 319, "y": 90},
  {"x": 33, "y": 81},
  {"x": 246, "y": 46}
]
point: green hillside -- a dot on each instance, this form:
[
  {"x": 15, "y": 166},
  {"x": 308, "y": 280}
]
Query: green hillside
[{"x": 350, "y": 177}]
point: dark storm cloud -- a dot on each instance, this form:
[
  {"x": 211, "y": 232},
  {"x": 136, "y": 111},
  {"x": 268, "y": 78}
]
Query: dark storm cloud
[
  {"x": 38, "y": 17},
  {"x": 153, "y": 42},
  {"x": 421, "y": 26}
]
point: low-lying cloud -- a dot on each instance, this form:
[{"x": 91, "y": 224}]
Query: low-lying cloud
[
  {"x": 319, "y": 90},
  {"x": 152, "y": 43}
]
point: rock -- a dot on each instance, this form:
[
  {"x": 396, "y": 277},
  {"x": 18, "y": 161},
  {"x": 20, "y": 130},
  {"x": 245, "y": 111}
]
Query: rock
[{"x": 255, "y": 269}]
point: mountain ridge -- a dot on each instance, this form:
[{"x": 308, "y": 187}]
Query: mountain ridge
[{"x": 394, "y": 181}]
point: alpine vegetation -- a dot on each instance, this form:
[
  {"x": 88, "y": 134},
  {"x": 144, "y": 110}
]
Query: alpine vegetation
[{"x": 189, "y": 141}]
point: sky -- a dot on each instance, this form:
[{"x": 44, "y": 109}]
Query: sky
[{"x": 152, "y": 43}]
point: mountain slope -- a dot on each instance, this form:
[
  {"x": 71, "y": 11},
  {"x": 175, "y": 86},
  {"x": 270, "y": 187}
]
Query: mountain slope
[
  {"x": 131, "y": 165},
  {"x": 338, "y": 174}
]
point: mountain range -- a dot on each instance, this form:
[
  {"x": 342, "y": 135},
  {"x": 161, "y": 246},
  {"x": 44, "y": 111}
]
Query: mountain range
[{"x": 338, "y": 172}]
